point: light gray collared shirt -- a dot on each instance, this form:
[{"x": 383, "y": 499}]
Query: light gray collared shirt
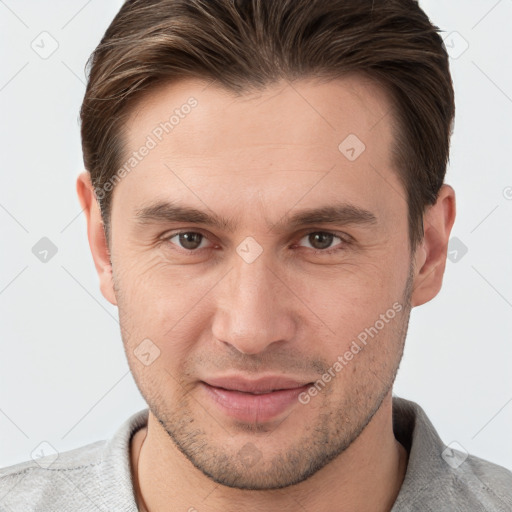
[{"x": 97, "y": 477}]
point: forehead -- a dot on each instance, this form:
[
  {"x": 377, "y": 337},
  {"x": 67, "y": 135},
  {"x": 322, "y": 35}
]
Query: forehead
[
  {"x": 305, "y": 111},
  {"x": 293, "y": 141}
]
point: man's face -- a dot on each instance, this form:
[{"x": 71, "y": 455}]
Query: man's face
[{"x": 263, "y": 296}]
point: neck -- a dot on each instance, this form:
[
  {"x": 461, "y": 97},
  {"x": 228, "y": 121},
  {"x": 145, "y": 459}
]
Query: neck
[{"x": 366, "y": 476}]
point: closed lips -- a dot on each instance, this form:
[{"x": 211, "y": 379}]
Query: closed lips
[{"x": 256, "y": 387}]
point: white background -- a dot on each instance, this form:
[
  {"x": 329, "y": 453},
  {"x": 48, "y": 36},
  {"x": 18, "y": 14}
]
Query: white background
[{"x": 63, "y": 373}]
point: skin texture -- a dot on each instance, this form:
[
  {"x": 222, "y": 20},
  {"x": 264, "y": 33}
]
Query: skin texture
[{"x": 255, "y": 160}]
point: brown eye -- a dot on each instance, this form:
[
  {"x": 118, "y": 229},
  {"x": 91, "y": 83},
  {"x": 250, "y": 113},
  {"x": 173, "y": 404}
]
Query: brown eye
[
  {"x": 321, "y": 241},
  {"x": 189, "y": 240}
]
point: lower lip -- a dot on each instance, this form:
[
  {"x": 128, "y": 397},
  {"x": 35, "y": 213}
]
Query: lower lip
[{"x": 251, "y": 408}]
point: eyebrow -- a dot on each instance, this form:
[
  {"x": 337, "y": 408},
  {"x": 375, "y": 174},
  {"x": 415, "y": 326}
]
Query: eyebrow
[{"x": 340, "y": 213}]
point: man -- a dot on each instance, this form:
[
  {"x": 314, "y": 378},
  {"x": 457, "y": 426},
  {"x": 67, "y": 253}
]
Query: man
[{"x": 265, "y": 204}]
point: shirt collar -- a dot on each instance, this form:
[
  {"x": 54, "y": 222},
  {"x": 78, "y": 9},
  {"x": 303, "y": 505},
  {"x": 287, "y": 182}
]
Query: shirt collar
[{"x": 427, "y": 475}]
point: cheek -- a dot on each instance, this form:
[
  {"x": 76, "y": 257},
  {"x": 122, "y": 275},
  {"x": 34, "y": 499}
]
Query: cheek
[
  {"x": 161, "y": 304},
  {"x": 361, "y": 309},
  {"x": 351, "y": 296},
  {"x": 142, "y": 296},
  {"x": 145, "y": 282}
]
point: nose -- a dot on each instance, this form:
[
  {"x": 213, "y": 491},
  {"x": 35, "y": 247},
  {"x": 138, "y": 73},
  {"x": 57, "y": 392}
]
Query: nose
[{"x": 254, "y": 308}]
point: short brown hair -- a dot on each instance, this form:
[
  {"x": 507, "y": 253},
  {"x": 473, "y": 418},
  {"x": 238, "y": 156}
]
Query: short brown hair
[{"x": 249, "y": 44}]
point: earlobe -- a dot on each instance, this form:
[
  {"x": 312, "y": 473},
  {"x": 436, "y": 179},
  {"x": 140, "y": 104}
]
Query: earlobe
[
  {"x": 430, "y": 256},
  {"x": 96, "y": 235}
]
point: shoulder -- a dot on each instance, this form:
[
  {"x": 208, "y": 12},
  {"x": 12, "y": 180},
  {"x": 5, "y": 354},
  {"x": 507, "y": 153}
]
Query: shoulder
[
  {"x": 93, "y": 477},
  {"x": 476, "y": 485},
  {"x": 445, "y": 478},
  {"x": 481, "y": 481},
  {"x": 45, "y": 481}
]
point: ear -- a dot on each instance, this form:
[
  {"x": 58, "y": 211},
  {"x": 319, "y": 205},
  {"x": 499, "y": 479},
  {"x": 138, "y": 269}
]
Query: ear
[
  {"x": 96, "y": 235},
  {"x": 430, "y": 256}
]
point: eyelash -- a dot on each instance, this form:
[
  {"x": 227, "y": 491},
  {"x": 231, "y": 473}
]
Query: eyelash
[{"x": 344, "y": 241}]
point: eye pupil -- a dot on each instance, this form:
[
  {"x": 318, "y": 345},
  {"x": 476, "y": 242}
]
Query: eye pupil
[
  {"x": 325, "y": 239},
  {"x": 190, "y": 240}
]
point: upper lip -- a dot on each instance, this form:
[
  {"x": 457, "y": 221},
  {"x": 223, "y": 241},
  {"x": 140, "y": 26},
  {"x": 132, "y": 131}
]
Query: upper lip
[{"x": 261, "y": 385}]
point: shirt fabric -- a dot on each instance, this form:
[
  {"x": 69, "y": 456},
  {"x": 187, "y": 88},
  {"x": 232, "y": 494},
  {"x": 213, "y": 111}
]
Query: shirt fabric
[{"x": 97, "y": 477}]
